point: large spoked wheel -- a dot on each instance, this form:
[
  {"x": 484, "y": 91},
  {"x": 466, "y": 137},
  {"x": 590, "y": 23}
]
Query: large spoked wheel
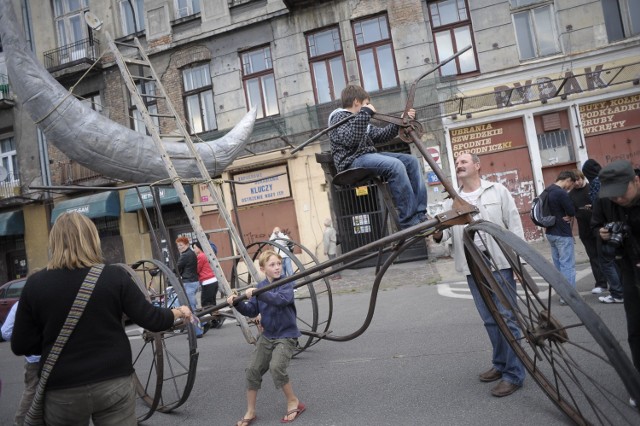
[
  {"x": 165, "y": 362},
  {"x": 568, "y": 350},
  {"x": 313, "y": 297}
]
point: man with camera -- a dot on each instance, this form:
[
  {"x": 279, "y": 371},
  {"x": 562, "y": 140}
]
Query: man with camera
[{"x": 616, "y": 220}]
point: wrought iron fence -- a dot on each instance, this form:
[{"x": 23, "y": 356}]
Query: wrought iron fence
[{"x": 86, "y": 50}]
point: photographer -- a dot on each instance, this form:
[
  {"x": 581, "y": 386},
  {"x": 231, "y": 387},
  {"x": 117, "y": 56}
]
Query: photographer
[{"x": 616, "y": 220}]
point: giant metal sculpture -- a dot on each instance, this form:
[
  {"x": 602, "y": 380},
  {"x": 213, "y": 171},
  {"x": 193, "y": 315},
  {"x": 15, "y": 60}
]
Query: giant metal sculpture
[
  {"x": 570, "y": 353},
  {"x": 91, "y": 139}
]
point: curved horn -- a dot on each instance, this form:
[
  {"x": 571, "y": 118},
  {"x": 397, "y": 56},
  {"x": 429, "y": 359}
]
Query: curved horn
[{"x": 90, "y": 138}]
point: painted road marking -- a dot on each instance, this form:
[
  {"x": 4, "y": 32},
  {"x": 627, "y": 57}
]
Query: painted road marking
[{"x": 460, "y": 289}]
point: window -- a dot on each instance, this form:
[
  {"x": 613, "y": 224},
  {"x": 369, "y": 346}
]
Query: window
[
  {"x": 375, "y": 54},
  {"x": 327, "y": 64},
  {"x": 259, "y": 81},
  {"x": 622, "y": 18},
  {"x": 70, "y": 26},
  {"x": 9, "y": 159},
  {"x": 198, "y": 98},
  {"x": 536, "y": 33},
  {"x": 93, "y": 101},
  {"x": 129, "y": 25},
  {"x": 452, "y": 31},
  {"x": 187, "y": 8},
  {"x": 137, "y": 123}
]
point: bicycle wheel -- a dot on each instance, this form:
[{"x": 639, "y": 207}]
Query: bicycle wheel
[
  {"x": 568, "y": 350},
  {"x": 174, "y": 352}
]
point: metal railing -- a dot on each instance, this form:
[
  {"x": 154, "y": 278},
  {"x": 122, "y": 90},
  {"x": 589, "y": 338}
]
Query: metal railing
[
  {"x": 10, "y": 187},
  {"x": 86, "y": 50}
]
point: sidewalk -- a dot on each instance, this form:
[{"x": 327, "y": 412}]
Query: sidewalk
[{"x": 438, "y": 268}]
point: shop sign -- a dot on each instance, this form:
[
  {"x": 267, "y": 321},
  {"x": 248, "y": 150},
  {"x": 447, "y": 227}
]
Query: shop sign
[
  {"x": 487, "y": 138},
  {"x": 262, "y": 186},
  {"x": 610, "y": 115}
]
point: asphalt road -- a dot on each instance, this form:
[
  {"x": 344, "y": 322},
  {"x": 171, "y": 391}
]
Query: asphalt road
[{"x": 416, "y": 364}]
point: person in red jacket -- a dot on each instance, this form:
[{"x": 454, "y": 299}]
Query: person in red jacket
[{"x": 209, "y": 284}]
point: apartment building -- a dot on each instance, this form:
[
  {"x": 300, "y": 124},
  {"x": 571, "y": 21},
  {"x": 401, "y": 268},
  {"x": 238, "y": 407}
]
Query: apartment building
[{"x": 545, "y": 85}]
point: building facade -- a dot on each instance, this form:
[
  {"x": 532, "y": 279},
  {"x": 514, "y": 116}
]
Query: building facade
[{"x": 545, "y": 85}]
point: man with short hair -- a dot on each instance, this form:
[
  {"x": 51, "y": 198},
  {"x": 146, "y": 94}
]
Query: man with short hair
[
  {"x": 353, "y": 145},
  {"x": 495, "y": 204},
  {"x": 560, "y": 235},
  {"x": 620, "y": 202}
]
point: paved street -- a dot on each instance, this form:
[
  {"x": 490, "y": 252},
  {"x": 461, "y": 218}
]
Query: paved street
[{"x": 416, "y": 364}]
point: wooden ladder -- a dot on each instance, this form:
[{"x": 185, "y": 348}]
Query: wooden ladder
[{"x": 135, "y": 82}]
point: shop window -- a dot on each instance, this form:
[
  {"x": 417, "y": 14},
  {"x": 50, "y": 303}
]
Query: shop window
[
  {"x": 137, "y": 123},
  {"x": 536, "y": 32},
  {"x": 132, "y": 20},
  {"x": 452, "y": 31},
  {"x": 198, "y": 98},
  {"x": 556, "y": 147},
  {"x": 327, "y": 64},
  {"x": 622, "y": 18},
  {"x": 375, "y": 53},
  {"x": 186, "y": 8},
  {"x": 259, "y": 81},
  {"x": 107, "y": 226}
]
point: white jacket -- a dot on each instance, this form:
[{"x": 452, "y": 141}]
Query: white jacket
[{"x": 496, "y": 205}]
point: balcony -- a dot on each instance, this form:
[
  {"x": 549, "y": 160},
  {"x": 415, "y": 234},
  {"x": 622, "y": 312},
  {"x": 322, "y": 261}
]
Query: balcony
[
  {"x": 299, "y": 4},
  {"x": 73, "y": 173},
  {"x": 10, "y": 187},
  {"x": 6, "y": 100},
  {"x": 82, "y": 53}
]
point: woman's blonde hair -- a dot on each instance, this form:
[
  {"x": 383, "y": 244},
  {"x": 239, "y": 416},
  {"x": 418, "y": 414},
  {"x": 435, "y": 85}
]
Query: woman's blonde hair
[
  {"x": 265, "y": 255},
  {"x": 74, "y": 243}
]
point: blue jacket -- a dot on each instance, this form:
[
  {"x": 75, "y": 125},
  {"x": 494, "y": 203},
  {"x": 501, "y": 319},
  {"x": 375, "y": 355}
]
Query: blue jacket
[
  {"x": 277, "y": 308},
  {"x": 560, "y": 205}
]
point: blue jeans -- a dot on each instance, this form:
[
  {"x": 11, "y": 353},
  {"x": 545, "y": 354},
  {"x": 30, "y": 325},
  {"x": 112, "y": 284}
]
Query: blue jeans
[
  {"x": 287, "y": 268},
  {"x": 504, "y": 359},
  {"x": 608, "y": 266},
  {"x": 191, "y": 288},
  {"x": 563, "y": 255},
  {"x": 403, "y": 173}
]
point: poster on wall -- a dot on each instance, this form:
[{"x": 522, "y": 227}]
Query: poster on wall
[{"x": 263, "y": 185}]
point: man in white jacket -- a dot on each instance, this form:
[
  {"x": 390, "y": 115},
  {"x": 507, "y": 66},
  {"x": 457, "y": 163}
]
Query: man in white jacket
[{"x": 496, "y": 205}]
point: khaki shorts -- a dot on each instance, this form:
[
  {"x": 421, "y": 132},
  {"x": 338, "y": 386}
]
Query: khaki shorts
[{"x": 270, "y": 355}]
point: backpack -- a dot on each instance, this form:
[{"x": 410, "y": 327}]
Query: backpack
[{"x": 540, "y": 213}]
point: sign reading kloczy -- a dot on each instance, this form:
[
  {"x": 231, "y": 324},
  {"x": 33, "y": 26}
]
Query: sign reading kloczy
[
  {"x": 263, "y": 185},
  {"x": 610, "y": 115},
  {"x": 488, "y": 137}
]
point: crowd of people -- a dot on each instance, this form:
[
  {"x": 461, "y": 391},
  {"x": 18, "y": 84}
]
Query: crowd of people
[{"x": 604, "y": 203}]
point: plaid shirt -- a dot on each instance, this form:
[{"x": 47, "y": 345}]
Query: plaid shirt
[{"x": 356, "y": 137}]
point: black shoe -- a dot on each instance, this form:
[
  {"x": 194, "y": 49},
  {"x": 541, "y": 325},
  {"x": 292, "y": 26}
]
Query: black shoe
[{"x": 218, "y": 323}]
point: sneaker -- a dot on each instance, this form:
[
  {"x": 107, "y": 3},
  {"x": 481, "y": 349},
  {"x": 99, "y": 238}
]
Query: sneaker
[
  {"x": 610, "y": 299},
  {"x": 632, "y": 402},
  {"x": 598, "y": 290},
  {"x": 562, "y": 302}
]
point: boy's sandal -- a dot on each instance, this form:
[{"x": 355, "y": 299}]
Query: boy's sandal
[
  {"x": 297, "y": 411},
  {"x": 246, "y": 422}
]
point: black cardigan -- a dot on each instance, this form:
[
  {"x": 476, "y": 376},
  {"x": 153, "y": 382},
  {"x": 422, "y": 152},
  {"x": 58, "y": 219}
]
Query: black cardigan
[{"x": 98, "y": 349}]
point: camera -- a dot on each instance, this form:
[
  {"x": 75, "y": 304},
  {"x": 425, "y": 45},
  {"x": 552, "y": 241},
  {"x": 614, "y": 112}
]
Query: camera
[{"x": 618, "y": 231}]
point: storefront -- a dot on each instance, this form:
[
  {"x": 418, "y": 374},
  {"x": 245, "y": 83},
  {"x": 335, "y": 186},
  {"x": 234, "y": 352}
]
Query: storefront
[
  {"x": 13, "y": 257},
  {"x": 104, "y": 210},
  {"x": 538, "y": 127}
]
